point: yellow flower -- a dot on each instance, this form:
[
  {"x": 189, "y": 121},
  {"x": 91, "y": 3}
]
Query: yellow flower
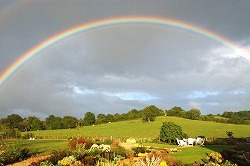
[
  {"x": 163, "y": 163},
  {"x": 141, "y": 154}
]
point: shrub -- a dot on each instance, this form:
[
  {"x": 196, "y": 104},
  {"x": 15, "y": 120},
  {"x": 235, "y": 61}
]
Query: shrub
[
  {"x": 79, "y": 152},
  {"x": 239, "y": 154},
  {"x": 70, "y": 160},
  {"x": 46, "y": 163},
  {"x": 169, "y": 132},
  {"x": 28, "y": 135},
  {"x": 139, "y": 150},
  {"x": 119, "y": 150},
  {"x": 106, "y": 141},
  {"x": 12, "y": 153},
  {"x": 90, "y": 160},
  {"x": 56, "y": 156},
  {"x": 88, "y": 143}
]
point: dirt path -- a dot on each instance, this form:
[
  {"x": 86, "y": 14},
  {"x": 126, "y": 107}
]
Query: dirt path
[{"x": 30, "y": 160}]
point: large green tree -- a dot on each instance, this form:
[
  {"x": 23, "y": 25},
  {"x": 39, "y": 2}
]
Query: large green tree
[
  {"x": 12, "y": 121},
  {"x": 89, "y": 118},
  {"x": 170, "y": 131},
  {"x": 176, "y": 111},
  {"x": 69, "y": 122},
  {"x": 194, "y": 114},
  {"x": 52, "y": 122},
  {"x": 149, "y": 113},
  {"x": 36, "y": 123},
  {"x": 101, "y": 118}
]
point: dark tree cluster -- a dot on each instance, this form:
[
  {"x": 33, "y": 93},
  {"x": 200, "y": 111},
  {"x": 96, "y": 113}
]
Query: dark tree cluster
[{"x": 241, "y": 117}]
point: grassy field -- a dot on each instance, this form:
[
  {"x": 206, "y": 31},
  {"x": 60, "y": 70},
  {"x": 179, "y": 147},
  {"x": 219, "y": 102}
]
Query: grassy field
[{"x": 134, "y": 128}]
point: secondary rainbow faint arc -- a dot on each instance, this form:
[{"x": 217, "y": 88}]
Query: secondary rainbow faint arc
[{"x": 114, "y": 21}]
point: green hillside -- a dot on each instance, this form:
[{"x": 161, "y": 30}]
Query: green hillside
[{"x": 134, "y": 128}]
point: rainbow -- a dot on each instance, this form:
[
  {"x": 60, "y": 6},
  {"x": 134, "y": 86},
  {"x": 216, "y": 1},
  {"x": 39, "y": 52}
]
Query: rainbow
[{"x": 114, "y": 21}]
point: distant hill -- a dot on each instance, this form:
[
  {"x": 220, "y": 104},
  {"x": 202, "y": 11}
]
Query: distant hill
[{"x": 134, "y": 128}]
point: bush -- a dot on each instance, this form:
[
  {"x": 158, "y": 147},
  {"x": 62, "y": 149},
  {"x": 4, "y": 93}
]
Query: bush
[
  {"x": 239, "y": 154},
  {"x": 139, "y": 150},
  {"x": 12, "y": 153},
  {"x": 88, "y": 143},
  {"x": 90, "y": 160},
  {"x": 119, "y": 150},
  {"x": 28, "y": 135},
  {"x": 56, "y": 156},
  {"x": 169, "y": 132},
  {"x": 106, "y": 141}
]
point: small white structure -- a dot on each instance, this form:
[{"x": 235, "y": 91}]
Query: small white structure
[
  {"x": 181, "y": 142},
  {"x": 190, "y": 141},
  {"x": 200, "y": 141}
]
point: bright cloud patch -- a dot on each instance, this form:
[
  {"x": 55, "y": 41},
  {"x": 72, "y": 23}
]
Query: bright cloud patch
[
  {"x": 132, "y": 96},
  {"x": 200, "y": 94},
  {"x": 239, "y": 91}
]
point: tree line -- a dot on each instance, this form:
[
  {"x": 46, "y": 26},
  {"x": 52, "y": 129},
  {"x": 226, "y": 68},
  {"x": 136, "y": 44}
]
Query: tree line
[
  {"x": 241, "y": 117},
  {"x": 13, "y": 124}
]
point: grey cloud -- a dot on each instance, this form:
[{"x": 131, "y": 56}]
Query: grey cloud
[{"x": 163, "y": 62}]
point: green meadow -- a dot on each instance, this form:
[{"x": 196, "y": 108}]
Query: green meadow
[{"x": 134, "y": 128}]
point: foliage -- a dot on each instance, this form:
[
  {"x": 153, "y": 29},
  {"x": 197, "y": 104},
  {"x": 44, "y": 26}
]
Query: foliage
[
  {"x": 88, "y": 143},
  {"x": 176, "y": 111},
  {"x": 106, "y": 141},
  {"x": 28, "y": 135},
  {"x": 89, "y": 118},
  {"x": 107, "y": 163},
  {"x": 36, "y": 123},
  {"x": 169, "y": 132},
  {"x": 215, "y": 159},
  {"x": 193, "y": 114},
  {"x": 90, "y": 160},
  {"x": 11, "y": 132},
  {"x": 56, "y": 156},
  {"x": 69, "y": 161},
  {"x": 149, "y": 113},
  {"x": 229, "y": 134},
  {"x": 13, "y": 153},
  {"x": 119, "y": 150},
  {"x": 239, "y": 154},
  {"x": 52, "y": 122},
  {"x": 79, "y": 151},
  {"x": 46, "y": 163},
  {"x": 139, "y": 150},
  {"x": 69, "y": 122}
]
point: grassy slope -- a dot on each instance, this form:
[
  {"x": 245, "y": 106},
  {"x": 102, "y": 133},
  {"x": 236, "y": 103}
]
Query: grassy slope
[{"x": 133, "y": 128}]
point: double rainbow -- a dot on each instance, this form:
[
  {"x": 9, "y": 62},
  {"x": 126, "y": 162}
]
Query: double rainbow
[{"x": 114, "y": 21}]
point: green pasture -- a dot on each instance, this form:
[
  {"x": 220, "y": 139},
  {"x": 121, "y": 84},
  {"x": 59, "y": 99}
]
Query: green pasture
[{"x": 134, "y": 128}]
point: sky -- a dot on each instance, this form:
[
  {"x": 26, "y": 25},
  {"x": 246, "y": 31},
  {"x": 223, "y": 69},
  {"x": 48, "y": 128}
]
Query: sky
[{"x": 116, "y": 68}]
